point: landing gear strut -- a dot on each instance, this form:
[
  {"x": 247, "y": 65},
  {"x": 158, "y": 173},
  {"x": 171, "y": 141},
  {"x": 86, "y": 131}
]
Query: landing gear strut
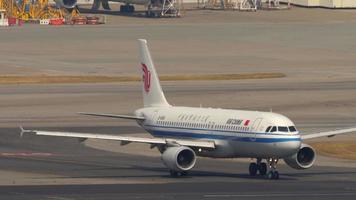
[{"x": 259, "y": 167}]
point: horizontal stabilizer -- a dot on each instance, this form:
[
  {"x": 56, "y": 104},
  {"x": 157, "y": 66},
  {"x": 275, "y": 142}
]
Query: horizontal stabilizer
[{"x": 113, "y": 116}]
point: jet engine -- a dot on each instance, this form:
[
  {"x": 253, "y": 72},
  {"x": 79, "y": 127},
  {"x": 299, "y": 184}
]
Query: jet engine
[
  {"x": 303, "y": 159},
  {"x": 179, "y": 158},
  {"x": 66, "y": 3}
]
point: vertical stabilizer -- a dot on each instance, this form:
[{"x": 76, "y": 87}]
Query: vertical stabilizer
[{"x": 152, "y": 92}]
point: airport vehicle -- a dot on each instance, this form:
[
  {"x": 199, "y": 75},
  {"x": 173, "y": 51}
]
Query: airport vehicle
[
  {"x": 183, "y": 133},
  {"x": 155, "y": 8},
  {"x": 69, "y": 4}
]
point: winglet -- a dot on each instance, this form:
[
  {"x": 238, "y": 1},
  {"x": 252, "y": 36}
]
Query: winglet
[{"x": 23, "y": 131}]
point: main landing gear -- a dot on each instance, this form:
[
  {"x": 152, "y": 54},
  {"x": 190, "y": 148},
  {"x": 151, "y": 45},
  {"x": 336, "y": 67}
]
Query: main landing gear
[
  {"x": 258, "y": 167},
  {"x": 261, "y": 168}
]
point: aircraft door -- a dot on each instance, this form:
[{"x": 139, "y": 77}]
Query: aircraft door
[
  {"x": 154, "y": 117},
  {"x": 255, "y": 126}
]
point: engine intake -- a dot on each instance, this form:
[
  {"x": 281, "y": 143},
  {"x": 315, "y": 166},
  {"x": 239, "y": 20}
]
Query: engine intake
[
  {"x": 179, "y": 158},
  {"x": 303, "y": 159}
]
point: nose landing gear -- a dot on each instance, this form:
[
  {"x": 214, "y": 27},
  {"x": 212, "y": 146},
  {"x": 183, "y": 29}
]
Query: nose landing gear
[{"x": 273, "y": 173}]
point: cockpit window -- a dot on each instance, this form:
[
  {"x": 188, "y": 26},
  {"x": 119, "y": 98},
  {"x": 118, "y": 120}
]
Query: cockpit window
[
  {"x": 282, "y": 129},
  {"x": 274, "y": 129},
  {"x": 269, "y": 128},
  {"x": 292, "y": 129}
]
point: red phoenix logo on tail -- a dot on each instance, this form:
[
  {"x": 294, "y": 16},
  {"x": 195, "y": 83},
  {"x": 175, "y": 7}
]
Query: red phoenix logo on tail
[{"x": 146, "y": 77}]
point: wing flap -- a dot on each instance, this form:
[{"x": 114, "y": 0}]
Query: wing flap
[{"x": 328, "y": 133}]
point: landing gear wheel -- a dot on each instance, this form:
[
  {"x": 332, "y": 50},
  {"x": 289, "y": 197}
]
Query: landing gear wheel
[
  {"x": 276, "y": 175},
  {"x": 273, "y": 175},
  {"x": 262, "y": 168},
  {"x": 253, "y": 169}
]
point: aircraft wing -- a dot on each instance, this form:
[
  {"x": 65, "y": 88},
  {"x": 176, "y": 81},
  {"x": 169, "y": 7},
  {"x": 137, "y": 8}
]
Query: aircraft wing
[
  {"x": 126, "y": 139},
  {"x": 328, "y": 133},
  {"x": 112, "y": 116}
]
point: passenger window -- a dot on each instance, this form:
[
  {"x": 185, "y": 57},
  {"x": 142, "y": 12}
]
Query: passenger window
[{"x": 274, "y": 129}]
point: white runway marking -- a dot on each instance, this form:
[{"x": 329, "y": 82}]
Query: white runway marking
[
  {"x": 26, "y": 154},
  {"x": 279, "y": 195}
]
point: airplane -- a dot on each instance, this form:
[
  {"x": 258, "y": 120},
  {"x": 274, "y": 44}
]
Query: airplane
[
  {"x": 183, "y": 133},
  {"x": 155, "y": 8}
]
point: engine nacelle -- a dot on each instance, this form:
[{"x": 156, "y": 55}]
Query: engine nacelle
[
  {"x": 66, "y": 3},
  {"x": 303, "y": 159},
  {"x": 179, "y": 158}
]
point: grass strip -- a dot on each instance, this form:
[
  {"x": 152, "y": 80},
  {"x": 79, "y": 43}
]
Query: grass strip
[{"x": 344, "y": 150}]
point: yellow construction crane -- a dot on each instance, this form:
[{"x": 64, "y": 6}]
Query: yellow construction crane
[
  {"x": 7, "y": 5},
  {"x": 34, "y": 10}
]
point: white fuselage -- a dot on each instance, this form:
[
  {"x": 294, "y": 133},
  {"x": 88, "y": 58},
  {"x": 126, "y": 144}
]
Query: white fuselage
[{"x": 236, "y": 133}]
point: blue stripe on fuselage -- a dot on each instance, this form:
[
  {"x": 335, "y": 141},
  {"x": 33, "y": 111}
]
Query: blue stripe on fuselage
[
  {"x": 160, "y": 133},
  {"x": 211, "y": 130}
]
